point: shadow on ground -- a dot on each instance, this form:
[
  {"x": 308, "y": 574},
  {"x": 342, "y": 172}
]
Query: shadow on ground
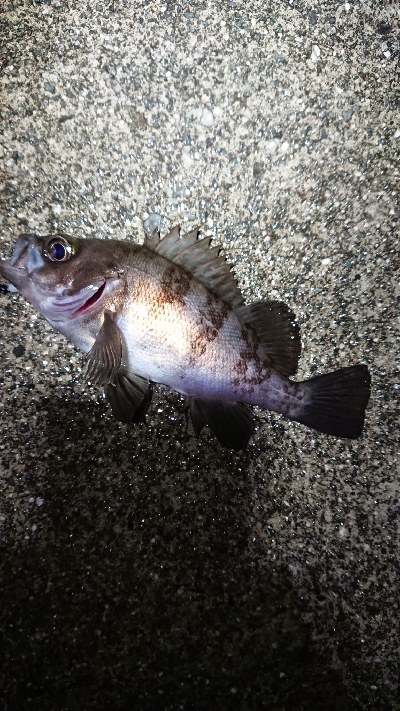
[{"x": 137, "y": 590}]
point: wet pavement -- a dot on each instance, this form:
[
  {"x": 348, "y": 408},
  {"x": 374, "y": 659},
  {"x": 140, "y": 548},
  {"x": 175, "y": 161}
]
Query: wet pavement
[{"x": 142, "y": 567}]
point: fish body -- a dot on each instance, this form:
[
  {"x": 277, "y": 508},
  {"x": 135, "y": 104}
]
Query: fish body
[
  {"x": 182, "y": 335},
  {"x": 170, "y": 312}
]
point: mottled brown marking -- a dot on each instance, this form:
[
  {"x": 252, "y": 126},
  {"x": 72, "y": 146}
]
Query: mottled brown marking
[
  {"x": 249, "y": 352},
  {"x": 240, "y": 368},
  {"x": 165, "y": 296},
  {"x": 256, "y": 379},
  {"x": 176, "y": 280},
  {"x": 218, "y": 311},
  {"x": 157, "y": 299},
  {"x": 173, "y": 286},
  {"x": 198, "y": 346},
  {"x": 204, "y": 336}
]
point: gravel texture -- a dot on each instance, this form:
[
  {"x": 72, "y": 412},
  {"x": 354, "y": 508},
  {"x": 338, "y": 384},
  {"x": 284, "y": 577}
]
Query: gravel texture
[{"x": 141, "y": 567}]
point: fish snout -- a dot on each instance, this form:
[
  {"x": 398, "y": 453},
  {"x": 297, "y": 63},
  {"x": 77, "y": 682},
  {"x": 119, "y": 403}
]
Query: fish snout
[
  {"x": 27, "y": 253},
  {"x": 19, "y": 248},
  {"x": 18, "y": 277},
  {"x": 25, "y": 258}
]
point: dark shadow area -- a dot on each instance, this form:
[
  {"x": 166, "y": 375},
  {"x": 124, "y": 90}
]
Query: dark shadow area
[{"x": 138, "y": 591}]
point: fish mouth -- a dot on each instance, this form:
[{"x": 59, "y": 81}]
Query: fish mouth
[
  {"x": 64, "y": 307},
  {"x": 91, "y": 301},
  {"x": 18, "y": 277},
  {"x": 25, "y": 260}
]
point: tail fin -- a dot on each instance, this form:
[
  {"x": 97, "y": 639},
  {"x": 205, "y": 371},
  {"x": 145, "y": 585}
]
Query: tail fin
[{"x": 337, "y": 402}]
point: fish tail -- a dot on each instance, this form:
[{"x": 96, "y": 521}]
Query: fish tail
[{"x": 335, "y": 403}]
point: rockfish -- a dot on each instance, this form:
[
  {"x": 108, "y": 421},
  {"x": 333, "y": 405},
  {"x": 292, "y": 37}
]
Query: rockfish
[{"x": 169, "y": 311}]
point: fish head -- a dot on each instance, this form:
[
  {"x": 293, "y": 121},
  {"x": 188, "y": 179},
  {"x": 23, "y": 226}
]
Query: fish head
[{"x": 68, "y": 280}]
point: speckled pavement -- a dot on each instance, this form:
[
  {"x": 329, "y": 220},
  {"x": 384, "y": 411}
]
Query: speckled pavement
[{"x": 143, "y": 568}]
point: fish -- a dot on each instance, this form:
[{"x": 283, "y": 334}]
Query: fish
[{"x": 170, "y": 311}]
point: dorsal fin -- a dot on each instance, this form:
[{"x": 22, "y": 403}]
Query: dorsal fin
[
  {"x": 151, "y": 241},
  {"x": 196, "y": 257},
  {"x": 277, "y": 331}
]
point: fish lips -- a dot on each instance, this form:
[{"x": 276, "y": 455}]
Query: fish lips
[
  {"x": 18, "y": 276},
  {"x": 25, "y": 259},
  {"x": 56, "y": 308},
  {"x": 64, "y": 307}
]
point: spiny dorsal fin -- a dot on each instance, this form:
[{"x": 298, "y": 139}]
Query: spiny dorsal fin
[
  {"x": 196, "y": 257},
  {"x": 277, "y": 331},
  {"x": 151, "y": 241}
]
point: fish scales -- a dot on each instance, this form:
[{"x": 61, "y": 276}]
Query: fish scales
[
  {"x": 170, "y": 312},
  {"x": 214, "y": 354}
]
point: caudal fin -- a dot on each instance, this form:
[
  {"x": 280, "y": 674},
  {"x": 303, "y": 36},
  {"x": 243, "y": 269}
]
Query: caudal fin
[{"x": 337, "y": 402}]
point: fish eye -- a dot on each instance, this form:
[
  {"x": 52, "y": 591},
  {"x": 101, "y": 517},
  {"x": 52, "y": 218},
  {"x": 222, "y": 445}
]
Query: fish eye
[{"x": 61, "y": 248}]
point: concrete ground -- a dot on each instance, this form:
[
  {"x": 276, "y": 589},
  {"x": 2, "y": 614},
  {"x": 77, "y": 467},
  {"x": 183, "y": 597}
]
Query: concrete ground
[{"x": 141, "y": 567}]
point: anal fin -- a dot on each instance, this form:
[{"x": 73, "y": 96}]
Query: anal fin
[{"x": 231, "y": 423}]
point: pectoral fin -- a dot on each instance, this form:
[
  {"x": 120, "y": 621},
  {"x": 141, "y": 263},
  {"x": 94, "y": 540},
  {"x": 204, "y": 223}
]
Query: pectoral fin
[
  {"x": 129, "y": 396},
  {"x": 232, "y": 424},
  {"x": 104, "y": 358}
]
